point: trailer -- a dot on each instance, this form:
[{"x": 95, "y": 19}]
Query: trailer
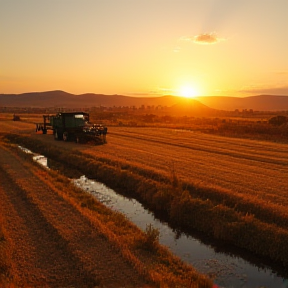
[{"x": 72, "y": 126}]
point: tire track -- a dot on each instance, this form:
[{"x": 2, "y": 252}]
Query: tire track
[
  {"x": 197, "y": 147},
  {"x": 52, "y": 244},
  {"x": 44, "y": 251}
]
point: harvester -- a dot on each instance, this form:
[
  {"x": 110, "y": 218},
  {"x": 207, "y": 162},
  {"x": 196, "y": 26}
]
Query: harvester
[{"x": 72, "y": 126}]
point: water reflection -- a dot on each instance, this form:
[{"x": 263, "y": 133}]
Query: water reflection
[{"x": 228, "y": 271}]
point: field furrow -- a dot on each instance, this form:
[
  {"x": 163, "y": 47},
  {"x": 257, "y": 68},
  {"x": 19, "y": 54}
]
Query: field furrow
[
  {"x": 50, "y": 242},
  {"x": 240, "y": 184},
  {"x": 235, "y": 167}
]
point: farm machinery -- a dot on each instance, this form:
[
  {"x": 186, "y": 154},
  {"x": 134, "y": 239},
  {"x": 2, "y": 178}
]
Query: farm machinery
[{"x": 73, "y": 126}]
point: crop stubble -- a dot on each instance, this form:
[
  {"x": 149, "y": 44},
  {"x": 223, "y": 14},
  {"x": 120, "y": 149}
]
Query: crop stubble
[
  {"x": 253, "y": 170},
  {"x": 246, "y": 167},
  {"x": 50, "y": 242}
]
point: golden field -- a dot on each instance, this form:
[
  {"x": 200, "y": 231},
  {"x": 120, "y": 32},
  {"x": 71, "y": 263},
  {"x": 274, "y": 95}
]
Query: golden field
[
  {"x": 234, "y": 190},
  {"x": 55, "y": 235}
]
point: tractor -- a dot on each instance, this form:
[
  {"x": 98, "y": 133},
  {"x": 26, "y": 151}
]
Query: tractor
[{"x": 72, "y": 126}]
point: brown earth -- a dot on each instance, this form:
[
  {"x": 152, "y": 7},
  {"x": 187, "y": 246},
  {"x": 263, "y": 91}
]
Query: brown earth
[{"x": 48, "y": 242}]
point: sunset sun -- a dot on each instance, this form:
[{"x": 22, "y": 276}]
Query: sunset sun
[{"x": 187, "y": 92}]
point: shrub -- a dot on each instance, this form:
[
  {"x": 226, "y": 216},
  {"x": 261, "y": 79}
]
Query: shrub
[
  {"x": 150, "y": 242},
  {"x": 278, "y": 120}
]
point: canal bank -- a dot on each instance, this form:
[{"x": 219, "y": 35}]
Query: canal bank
[{"x": 228, "y": 269}]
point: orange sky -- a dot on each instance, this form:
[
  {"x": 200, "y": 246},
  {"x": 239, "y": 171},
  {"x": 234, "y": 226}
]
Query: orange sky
[{"x": 151, "y": 47}]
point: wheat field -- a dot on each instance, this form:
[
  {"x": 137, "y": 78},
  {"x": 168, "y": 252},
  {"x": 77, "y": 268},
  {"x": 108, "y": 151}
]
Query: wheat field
[{"x": 245, "y": 167}]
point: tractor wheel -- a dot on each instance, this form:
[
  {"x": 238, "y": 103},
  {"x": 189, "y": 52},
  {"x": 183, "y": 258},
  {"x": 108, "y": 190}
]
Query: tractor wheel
[
  {"x": 65, "y": 136},
  {"x": 58, "y": 135}
]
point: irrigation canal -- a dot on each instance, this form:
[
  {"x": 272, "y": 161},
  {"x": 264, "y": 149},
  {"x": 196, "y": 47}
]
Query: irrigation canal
[{"x": 228, "y": 270}]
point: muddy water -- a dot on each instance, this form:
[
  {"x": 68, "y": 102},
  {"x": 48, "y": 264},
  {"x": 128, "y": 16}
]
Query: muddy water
[{"x": 228, "y": 271}]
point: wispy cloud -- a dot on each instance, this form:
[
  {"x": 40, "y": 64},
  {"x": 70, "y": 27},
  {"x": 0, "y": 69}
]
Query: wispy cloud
[
  {"x": 157, "y": 91},
  {"x": 177, "y": 49},
  {"x": 203, "y": 38},
  {"x": 283, "y": 90},
  {"x": 162, "y": 91},
  {"x": 186, "y": 38},
  {"x": 282, "y": 72}
]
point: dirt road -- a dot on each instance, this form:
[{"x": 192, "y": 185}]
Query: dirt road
[{"x": 48, "y": 242}]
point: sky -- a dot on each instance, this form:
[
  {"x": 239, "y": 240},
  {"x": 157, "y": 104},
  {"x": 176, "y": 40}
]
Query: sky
[{"x": 145, "y": 47}]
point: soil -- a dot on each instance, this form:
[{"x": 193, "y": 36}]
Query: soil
[{"x": 48, "y": 242}]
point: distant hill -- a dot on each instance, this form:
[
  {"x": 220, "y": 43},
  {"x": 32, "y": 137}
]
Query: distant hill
[
  {"x": 177, "y": 105},
  {"x": 67, "y": 100},
  {"x": 190, "y": 107},
  {"x": 257, "y": 103}
]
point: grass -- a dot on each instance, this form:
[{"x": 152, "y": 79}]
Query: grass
[{"x": 151, "y": 238}]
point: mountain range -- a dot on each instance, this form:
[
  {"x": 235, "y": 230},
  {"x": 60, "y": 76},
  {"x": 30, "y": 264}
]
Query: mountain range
[
  {"x": 257, "y": 103},
  {"x": 66, "y": 100}
]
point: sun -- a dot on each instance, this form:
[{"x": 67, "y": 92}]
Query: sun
[{"x": 188, "y": 92}]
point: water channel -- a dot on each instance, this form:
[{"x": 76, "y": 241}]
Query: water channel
[{"x": 229, "y": 271}]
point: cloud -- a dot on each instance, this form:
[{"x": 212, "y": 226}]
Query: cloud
[
  {"x": 162, "y": 91},
  {"x": 177, "y": 49},
  {"x": 206, "y": 38},
  {"x": 186, "y": 38},
  {"x": 283, "y": 90},
  {"x": 282, "y": 73},
  {"x": 157, "y": 91}
]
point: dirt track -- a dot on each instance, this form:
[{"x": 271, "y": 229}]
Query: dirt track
[{"x": 49, "y": 242}]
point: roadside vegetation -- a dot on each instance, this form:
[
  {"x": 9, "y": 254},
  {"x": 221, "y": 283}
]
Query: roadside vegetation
[{"x": 243, "y": 221}]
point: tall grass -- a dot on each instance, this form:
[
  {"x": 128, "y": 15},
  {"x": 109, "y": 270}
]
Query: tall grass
[{"x": 151, "y": 238}]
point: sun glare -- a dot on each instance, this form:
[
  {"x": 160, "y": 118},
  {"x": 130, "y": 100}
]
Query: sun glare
[{"x": 188, "y": 92}]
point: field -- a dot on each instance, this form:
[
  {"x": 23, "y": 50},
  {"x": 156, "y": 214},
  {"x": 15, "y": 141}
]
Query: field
[
  {"x": 246, "y": 168},
  {"x": 54, "y": 235},
  {"x": 234, "y": 190}
]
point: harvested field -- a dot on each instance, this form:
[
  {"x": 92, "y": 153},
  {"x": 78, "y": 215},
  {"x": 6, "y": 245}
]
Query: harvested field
[
  {"x": 53, "y": 235},
  {"x": 50, "y": 245},
  {"x": 246, "y": 167},
  {"x": 234, "y": 190},
  {"x": 240, "y": 184}
]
